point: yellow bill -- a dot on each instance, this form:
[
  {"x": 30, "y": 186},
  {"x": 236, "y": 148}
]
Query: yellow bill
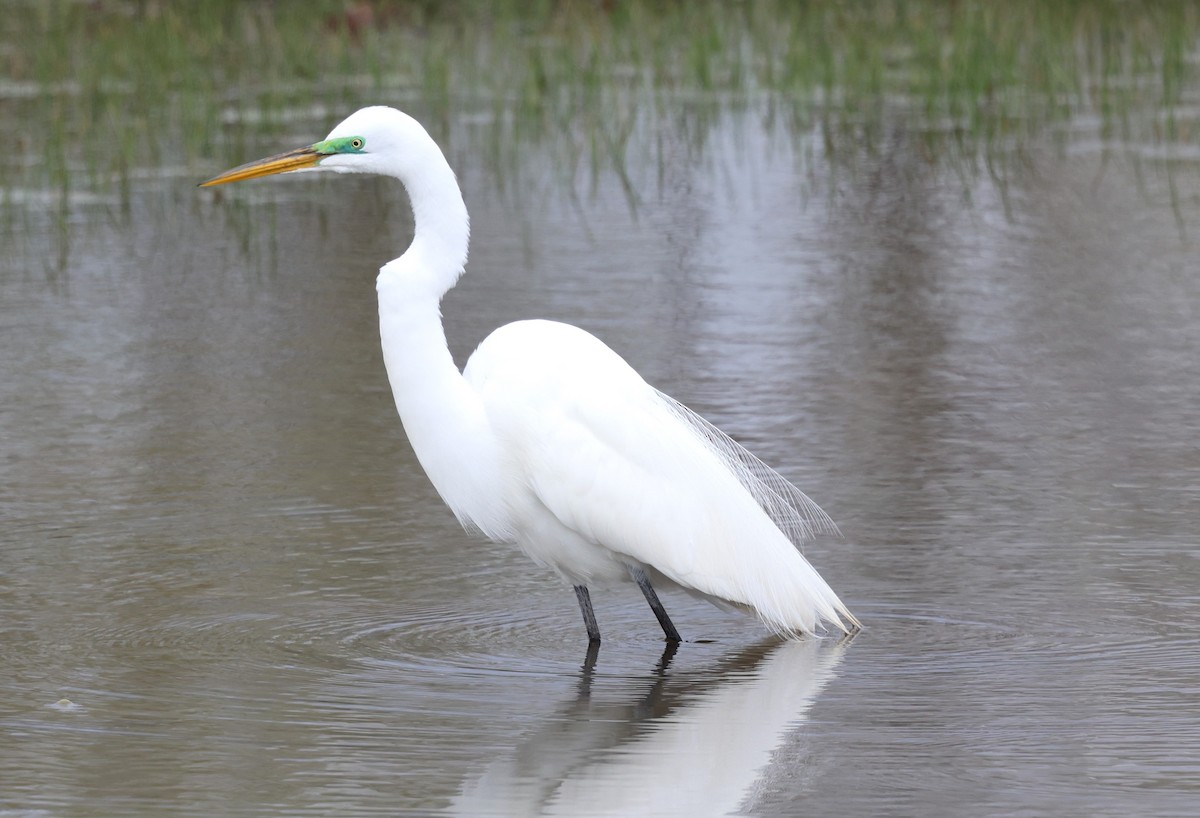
[{"x": 280, "y": 163}]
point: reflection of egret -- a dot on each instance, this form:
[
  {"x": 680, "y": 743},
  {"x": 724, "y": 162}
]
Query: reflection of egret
[
  {"x": 550, "y": 440},
  {"x": 695, "y": 744}
]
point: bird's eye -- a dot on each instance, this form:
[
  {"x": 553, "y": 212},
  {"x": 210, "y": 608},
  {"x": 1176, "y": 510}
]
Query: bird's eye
[{"x": 356, "y": 143}]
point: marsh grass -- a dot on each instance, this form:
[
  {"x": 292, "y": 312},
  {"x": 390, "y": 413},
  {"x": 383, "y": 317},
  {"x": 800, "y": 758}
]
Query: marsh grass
[{"x": 95, "y": 93}]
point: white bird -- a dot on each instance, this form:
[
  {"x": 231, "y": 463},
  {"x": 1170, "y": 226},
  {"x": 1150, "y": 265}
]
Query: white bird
[{"x": 550, "y": 440}]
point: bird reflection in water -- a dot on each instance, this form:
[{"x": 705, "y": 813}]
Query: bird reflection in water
[{"x": 673, "y": 743}]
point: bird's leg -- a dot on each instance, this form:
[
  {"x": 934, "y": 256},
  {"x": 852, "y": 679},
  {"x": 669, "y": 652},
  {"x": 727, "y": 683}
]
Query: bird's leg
[
  {"x": 643, "y": 582},
  {"x": 589, "y": 616}
]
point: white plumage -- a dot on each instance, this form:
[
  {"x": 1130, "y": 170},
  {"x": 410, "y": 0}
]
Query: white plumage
[{"x": 549, "y": 440}]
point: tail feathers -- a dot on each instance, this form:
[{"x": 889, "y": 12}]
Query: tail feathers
[
  {"x": 786, "y": 594},
  {"x": 780, "y": 587},
  {"x": 802, "y": 603}
]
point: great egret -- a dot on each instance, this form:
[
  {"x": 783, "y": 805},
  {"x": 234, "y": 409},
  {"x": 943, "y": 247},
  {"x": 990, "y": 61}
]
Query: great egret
[{"x": 550, "y": 440}]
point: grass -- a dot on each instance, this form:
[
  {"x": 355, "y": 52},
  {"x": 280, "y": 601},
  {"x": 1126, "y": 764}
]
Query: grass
[{"x": 96, "y": 91}]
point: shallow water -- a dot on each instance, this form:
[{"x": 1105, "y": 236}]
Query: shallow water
[{"x": 227, "y": 588}]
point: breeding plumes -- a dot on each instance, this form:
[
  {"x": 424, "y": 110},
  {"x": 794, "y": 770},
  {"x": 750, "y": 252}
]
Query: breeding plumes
[{"x": 548, "y": 439}]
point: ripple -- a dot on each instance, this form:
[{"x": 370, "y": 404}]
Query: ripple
[
  {"x": 442, "y": 640},
  {"x": 65, "y": 705}
]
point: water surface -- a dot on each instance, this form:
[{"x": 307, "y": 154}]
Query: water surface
[{"x": 227, "y": 588}]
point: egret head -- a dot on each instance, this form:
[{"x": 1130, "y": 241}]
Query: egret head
[{"x": 372, "y": 140}]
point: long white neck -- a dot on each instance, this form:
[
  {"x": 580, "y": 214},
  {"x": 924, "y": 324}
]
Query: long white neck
[{"x": 443, "y": 416}]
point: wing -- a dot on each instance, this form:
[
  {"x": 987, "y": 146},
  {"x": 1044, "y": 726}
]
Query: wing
[
  {"x": 624, "y": 468},
  {"x": 788, "y": 507}
]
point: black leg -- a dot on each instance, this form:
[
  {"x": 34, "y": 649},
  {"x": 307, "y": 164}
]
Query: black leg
[
  {"x": 589, "y": 616},
  {"x": 648, "y": 591}
]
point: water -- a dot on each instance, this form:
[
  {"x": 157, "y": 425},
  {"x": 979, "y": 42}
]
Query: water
[{"x": 227, "y": 588}]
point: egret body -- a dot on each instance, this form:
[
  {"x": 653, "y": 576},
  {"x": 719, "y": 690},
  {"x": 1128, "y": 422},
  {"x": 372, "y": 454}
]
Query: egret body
[{"x": 548, "y": 439}]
